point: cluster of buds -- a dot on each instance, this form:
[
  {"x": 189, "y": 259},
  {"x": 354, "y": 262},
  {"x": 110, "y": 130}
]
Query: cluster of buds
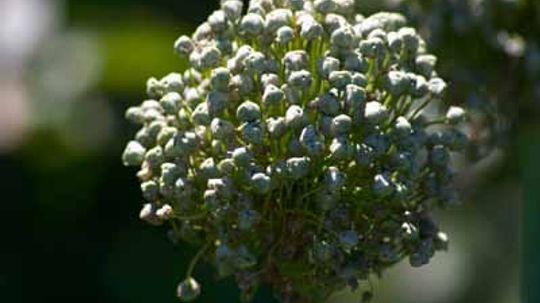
[{"x": 304, "y": 148}]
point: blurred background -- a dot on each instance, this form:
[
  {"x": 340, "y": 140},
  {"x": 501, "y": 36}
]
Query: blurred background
[{"x": 69, "y": 225}]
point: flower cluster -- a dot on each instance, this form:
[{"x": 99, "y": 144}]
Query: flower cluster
[{"x": 305, "y": 147}]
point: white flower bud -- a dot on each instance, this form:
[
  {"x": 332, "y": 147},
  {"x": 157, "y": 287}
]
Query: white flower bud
[
  {"x": 455, "y": 115},
  {"x": 341, "y": 149},
  {"x": 172, "y": 83},
  {"x": 210, "y": 57},
  {"x": 278, "y": 18},
  {"x": 334, "y": 179},
  {"x": 255, "y": 63},
  {"x": 343, "y": 38},
  {"x": 232, "y": 9},
  {"x": 355, "y": 97},
  {"x": 310, "y": 30},
  {"x": 242, "y": 156},
  {"x": 220, "y": 79},
  {"x": 295, "y": 117},
  {"x": 170, "y": 103},
  {"x": 325, "y": 6},
  {"x": 355, "y": 62},
  {"x": 340, "y": 79},
  {"x": 296, "y": 60},
  {"x": 226, "y": 166},
  {"x": 270, "y": 79},
  {"x": 165, "y": 134},
  {"x": 248, "y": 111},
  {"x": 437, "y": 87},
  {"x": 383, "y": 20},
  {"x": 261, "y": 183},
  {"x": 243, "y": 83},
  {"x": 217, "y": 102},
  {"x": 154, "y": 89},
  {"x": 203, "y": 32},
  {"x": 334, "y": 21},
  {"x": 276, "y": 127},
  {"x": 208, "y": 169},
  {"x": 421, "y": 87},
  {"x": 402, "y": 127},
  {"x": 372, "y": 48},
  {"x": 375, "y": 112},
  {"x": 411, "y": 40},
  {"x": 328, "y": 104},
  {"x": 284, "y": 35},
  {"x": 292, "y": 94},
  {"x": 218, "y": 21},
  {"x": 165, "y": 212},
  {"x": 301, "y": 79},
  {"x": 341, "y": 125},
  {"x": 133, "y": 154},
  {"x": 135, "y": 114},
  {"x": 221, "y": 129},
  {"x": 272, "y": 96},
  {"x": 192, "y": 96},
  {"x": 184, "y": 46},
  {"x": 298, "y": 167},
  {"x": 150, "y": 190},
  {"x": 311, "y": 141},
  {"x": 252, "y": 25},
  {"x": 396, "y": 82},
  {"x": 188, "y": 290},
  {"x": 155, "y": 156},
  {"x": 148, "y": 214},
  {"x": 252, "y": 132},
  {"x": 425, "y": 64},
  {"x": 200, "y": 115},
  {"x": 327, "y": 65},
  {"x": 395, "y": 42}
]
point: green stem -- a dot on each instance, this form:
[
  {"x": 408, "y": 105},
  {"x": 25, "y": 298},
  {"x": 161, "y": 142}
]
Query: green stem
[{"x": 195, "y": 259}]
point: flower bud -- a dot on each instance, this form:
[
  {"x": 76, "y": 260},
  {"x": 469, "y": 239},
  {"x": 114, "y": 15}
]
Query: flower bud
[
  {"x": 172, "y": 83},
  {"x": 220, "y": 79},
  {"x": 455, "y": 115},
  {"x": 341, "y": 125},
  {"x": 300, "y": 79},
  {"x": 340, "y": 79},
  {"x": 248, "y": 111},
  {"x": 261, "y": 183},
  {"x": 311, "y": 141},
  {"x": 188, "y": 290},
  {"x": 278, "y": 18},
  {"x": 298, "y": 167},
  {"x": 276, "y": 126},
  {"x": 148, "y": 214},
  {"x": 252, "y": 25},
  {"x": 150, "y": 190},
  {"x": 375, "y": 112},
  {"x": 184, "y": 46},
  {"x": 327, "y": 65},
  {"x": 284, "y": 35},
  {"x": 133, "y": 154},
  {"x": 295, "y": 117}
]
